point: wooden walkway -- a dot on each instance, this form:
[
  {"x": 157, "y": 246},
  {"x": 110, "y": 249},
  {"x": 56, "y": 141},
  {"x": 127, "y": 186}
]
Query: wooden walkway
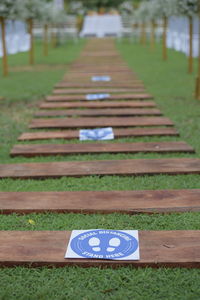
[{"x": 129, "y": 109}]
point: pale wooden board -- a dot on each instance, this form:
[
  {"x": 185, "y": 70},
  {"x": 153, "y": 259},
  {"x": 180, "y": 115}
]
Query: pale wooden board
[
  {"x": 65, "y": 149},
  {"x": 118, "y": 133},
  {"x": 87, "y": 122},
  {"x": 179, "y": 248},
  {"x": 129, "y": 202},
  {"x": 134, "y": 167}
]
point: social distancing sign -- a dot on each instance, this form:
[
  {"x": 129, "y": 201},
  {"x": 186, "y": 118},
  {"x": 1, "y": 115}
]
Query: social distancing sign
[
  {"x": 104, "y": 244},
  {"x": 99, "y": 96},
  {"x": 101, "y": 78}
]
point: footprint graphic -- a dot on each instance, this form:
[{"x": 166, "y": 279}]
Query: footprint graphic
[
  {"x": 94, "y": 243},
  {"x": 113, "y": 243}
]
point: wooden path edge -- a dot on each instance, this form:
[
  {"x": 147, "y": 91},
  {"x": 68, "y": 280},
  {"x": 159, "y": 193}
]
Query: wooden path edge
[
  {"x": 105, "y": 202},
  {"x": 129, "y": 167},
  {"x": 47, "y": 248}
]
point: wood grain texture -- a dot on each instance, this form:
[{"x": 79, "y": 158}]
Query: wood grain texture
[
  {"x": 47, "y": 248},
  {"x": 112, "y": 84},
  {"x": 54, "y": 98},
  {"x": 98, "y": 104},
  {"x": 65, "y": 149},
  {"x": 134, "y": 167},
  {"x": 99, "y": 122},
  {"x": 74, "y": 134},
  {"x": 129, "y": 202},
  {"x": 99, "y": 112},
  {"x": 137, "y": 95}
]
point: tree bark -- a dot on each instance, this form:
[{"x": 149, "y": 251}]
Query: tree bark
[
  {"x": 3, "y": 36},
  {"x": 197, "y": 92},
  {"x": 165, "y": 23},
  {"x": 152, "y": 35},
  {"x": 31, "y": 52},
  {"x": 190, "y": 58},
  {"x": 143, "y": 34},
  {"x": 45, "y": 40}
]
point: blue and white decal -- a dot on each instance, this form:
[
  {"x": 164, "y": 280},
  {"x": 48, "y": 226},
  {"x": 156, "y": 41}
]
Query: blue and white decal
[
  {"x": 101, "y": 78},
  {"x": 97, "y": 96},
  {"x": 98, "y": 134},
  {"x": 104, "y": 244}
]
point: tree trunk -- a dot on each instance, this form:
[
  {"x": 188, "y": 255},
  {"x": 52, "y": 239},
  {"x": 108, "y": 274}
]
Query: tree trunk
[
  {"x": 31, "y": 51},
  {"x": 3, "y": 36},
  {"x": 190, "y": 58},
  {"x": 197, "y": 92},
  {"x": 45, "y": 40},
  {"x": 152, "y": 35},
  {"x": 143, "y": 34},
  {"x": 165, "y": 23}
]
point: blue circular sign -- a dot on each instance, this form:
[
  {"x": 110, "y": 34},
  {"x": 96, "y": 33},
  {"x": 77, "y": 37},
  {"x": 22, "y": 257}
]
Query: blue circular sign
[{"x": 104, "y": 244}]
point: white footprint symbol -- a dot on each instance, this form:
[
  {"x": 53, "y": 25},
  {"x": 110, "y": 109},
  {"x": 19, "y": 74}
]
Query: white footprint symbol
[
  {"x": 94, "y": 243},
  {"x": 114, "y": 242}
]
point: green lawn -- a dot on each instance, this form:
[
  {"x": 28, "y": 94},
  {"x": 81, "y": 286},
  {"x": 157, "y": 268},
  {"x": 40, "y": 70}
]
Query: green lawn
[{"x": 173, "y": 89}]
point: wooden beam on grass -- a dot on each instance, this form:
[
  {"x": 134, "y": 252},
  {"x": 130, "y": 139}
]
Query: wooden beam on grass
[
  {"x": 180, "y": 248},
  {"x": 134, "y": 167}
]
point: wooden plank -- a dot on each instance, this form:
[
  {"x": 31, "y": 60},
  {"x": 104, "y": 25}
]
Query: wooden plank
[
  {"x": 99, "y": 112},
  {"x": 136, "y": 85},
  {"x": 99, "y": 122},
  {"x": 129, "y": 202},
  {"x": 123, "y": 76},
  {"x": 135, "y": 167},
  {"x": 55, "y": 98},
  {"x": 98, "y": 104},
  {"x": 47, "y": 248},
  {"x": 100, "y": 72},
  {"x": 81, "y": 91},
  {"x": 119, "y": 133},
  {"x": 65, "y": 149}
]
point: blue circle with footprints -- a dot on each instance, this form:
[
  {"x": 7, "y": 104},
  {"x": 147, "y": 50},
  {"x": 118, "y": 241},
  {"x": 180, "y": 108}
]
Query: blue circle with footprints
[{"x": 104, "y": 244}]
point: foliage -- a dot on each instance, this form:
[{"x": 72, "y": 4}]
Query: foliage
[
  {"x": 33, "y": 9},
  {"x": 188, "y": 7},
  {"x": 7, "y": 7},
  {"x": 93, "y": 4},
  {"x": 164, "y": 8},
  {"x": 142, "y": 14},
  {"x": 126, "y": 7},
  {"x": 76, "y": 7}
]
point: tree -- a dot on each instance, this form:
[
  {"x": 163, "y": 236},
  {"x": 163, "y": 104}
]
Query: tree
[
  {"x": 162, "y": 10},
  {"x": 8, "y": 9},
  {"x": 32, "y": 10},
  {"x": 190, "y": 9}
]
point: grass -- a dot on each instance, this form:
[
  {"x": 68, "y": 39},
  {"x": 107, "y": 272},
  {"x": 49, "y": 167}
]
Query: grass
[{"x": 173, "y": 89}]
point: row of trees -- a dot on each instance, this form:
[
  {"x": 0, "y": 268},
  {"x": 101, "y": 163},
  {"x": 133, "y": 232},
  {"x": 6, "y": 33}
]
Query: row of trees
[
  {"x": 29, "y": 11},
  {"x": 151, "y": 11}
]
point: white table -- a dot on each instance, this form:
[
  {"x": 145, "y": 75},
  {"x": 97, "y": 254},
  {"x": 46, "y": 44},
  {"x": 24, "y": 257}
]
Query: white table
[{"x": 101, "y": 26}]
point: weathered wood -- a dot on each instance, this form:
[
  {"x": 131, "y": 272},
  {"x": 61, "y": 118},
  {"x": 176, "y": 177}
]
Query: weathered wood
[
  {"x": 119, "y": 133},
  {"x": 129, "y": 202},
  {"x": 98, "y": 104},
  {"x": 64, "y": 149},
  {"x": 67, "y": 98},
  {"x": 99, "y": 122},
  {"x": 47, "y": 248},
  {"x": 93, "y": 90},
  {"x": 99, "y": 112},
  {"x": 84, "y": 84},
  {"x": 81, "y": 91},
  {"x": 135, "y": 167}
]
